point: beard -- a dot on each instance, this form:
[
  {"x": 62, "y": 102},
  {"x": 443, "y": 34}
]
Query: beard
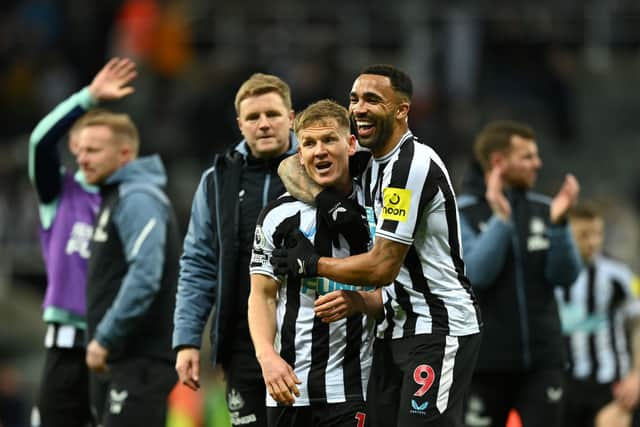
[{"x": 383, "y": 131}]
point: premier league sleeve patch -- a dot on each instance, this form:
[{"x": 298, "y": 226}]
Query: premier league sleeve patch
[
  {"x": 396, "y": 204},
  {"x": 260, "y": 245}
]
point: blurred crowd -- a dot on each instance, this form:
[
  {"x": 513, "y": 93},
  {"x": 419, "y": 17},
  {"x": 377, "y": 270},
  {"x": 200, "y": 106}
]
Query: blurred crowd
[{"x": 570, "y": 69}]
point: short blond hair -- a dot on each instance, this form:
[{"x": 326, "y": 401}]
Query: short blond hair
[
  {"x": 259, "y": 84},
  {"x": 321, "y": 112},
  {"x": 123, "y": 128}
]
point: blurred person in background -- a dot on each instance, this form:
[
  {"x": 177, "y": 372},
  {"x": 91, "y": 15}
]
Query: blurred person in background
[
  {"x": 214, "y": 267},
  {"x": 68, "y": 205},
  {"x": 517, "y": 247},
  {"x": 604, "y": 367},
  {"x": 132, "y": 274}
]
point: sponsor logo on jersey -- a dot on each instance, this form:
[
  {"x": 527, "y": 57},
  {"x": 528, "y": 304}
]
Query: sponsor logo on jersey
[{"x": 396, "y": 204}]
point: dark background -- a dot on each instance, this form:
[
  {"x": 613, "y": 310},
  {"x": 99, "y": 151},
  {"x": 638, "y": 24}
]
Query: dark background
[{"x": 569, "y": 68}]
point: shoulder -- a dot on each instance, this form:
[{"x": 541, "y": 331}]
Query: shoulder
[
  {"x": 139, "y": 200},
  {"x": 279, "y": 209},
  {"x": 614, "y": 268}
]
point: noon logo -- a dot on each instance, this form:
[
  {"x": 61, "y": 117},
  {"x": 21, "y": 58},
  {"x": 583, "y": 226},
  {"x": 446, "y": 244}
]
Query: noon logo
[{"x": 396, "y": 204}]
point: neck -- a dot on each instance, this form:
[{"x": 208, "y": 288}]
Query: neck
[{"x": 391, "y": 142}]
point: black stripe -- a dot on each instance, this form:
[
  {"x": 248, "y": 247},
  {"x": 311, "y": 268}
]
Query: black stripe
[
  {"x": 319, "y": 358},
  {"x": 351, "y": 360},
  {"x": 272, "y": 205},
  {"x": 439, "y": 314},
  {"x": 288, "y": 330},
  {"x": 366, "y": 184},
  {"x": 590, "y": 311},
  {"x": 617, "y": 299},
  {"x": 399, "y": 177},
  {"x": 390, "y": 315},
  {"x": 322, "y": 239}
]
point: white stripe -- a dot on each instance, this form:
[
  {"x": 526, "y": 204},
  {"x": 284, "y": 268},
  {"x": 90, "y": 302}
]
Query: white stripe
[
  {"x": 446, "y": 376},
  {"x": 143, "y": 235}
]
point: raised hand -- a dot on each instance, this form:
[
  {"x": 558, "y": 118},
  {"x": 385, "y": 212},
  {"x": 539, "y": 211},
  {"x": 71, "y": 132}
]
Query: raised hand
[
  {"x": 112, "y": 81},
  {"x": 566, "y": 197},
  {"x": 495, "y": 195}
]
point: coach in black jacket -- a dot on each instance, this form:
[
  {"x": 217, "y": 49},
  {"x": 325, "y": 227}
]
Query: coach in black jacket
[{"x": 517, "y": 247}]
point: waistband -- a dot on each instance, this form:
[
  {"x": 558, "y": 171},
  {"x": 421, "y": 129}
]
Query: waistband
[{"x": 64, "y": 336}]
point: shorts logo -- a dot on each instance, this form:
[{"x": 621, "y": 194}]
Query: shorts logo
[
  {"x": 554, "y": 393},
  {"x": 234, "y": 400},
  {"x": 396, "y": 204},
  {"x": 417, "y": 408},
  {"x": 117, "y": 400}
]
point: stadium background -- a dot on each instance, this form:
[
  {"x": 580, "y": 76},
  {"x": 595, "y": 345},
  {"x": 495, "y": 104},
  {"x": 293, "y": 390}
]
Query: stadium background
[{"x": 571, "y": 69}]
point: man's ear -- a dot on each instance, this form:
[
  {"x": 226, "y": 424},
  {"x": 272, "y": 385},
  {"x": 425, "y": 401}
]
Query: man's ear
[
  {"x": 292, "y": 116},
  {"x": 126, "y": 153},
  {"x": 403, "y": 111},
  {"x": 352, "y": 145},
  {"x": 300, "y": 159}
]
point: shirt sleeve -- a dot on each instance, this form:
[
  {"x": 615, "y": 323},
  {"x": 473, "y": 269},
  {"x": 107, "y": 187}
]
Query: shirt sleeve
[
  {"x": 484, "y": 253},
  {"x": 198, "y": 276}
]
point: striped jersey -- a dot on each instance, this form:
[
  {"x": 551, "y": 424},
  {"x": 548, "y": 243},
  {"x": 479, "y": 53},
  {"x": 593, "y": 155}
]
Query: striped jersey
[
  {"x": 593, "y": 313},
  {"x": 408, "y": 194},
  {"x": 332, "y": 360}
]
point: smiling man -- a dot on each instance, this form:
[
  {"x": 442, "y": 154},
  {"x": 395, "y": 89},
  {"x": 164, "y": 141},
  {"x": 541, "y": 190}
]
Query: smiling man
[
  {"x": 427, "y": 344},
  {"x": 316, "y": 373}
]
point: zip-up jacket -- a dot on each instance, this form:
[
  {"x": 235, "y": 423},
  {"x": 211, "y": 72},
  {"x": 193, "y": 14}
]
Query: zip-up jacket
[
  {"x": 134, "y": 264},
  {"x": 67, "y": 207},
  {"x": 210, "y": 274},
  {"x": 514, "y": 268}
]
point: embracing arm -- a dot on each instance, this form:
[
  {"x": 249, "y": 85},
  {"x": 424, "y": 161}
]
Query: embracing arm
[
  {"x": 278, "y": 375},
  {"x": 378, "y": 267},
  {"x": 296, "y": 180}
]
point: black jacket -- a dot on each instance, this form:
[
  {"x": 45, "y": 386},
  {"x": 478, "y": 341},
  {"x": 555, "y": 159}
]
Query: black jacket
[
  {"x": 513, "y": 268},
  {"x": 131, "y": 282},
  {"x": 213, "y": 272}
]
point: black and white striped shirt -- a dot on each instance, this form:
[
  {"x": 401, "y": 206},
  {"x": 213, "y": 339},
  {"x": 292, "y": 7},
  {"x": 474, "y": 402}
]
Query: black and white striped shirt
[
  {"x": 593, "y": 313},
  {"x": 409, "y": 195},
  {"x": 332, "y": 360}
]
